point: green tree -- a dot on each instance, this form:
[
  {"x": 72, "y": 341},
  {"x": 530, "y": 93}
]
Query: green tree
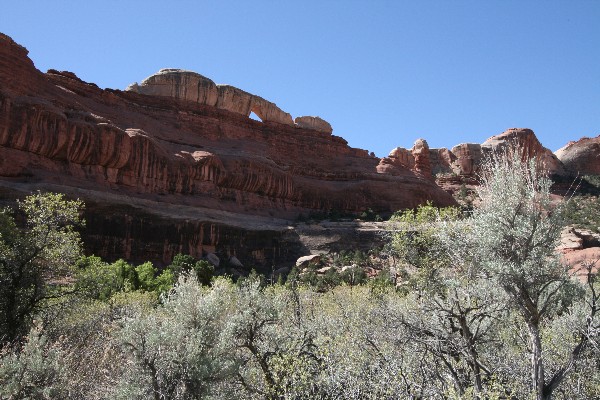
[
  {"x": 204, "y": 272},
  {"x": 184, "y": 263},
  {"x": 353, "y": 276},
  {"x": 35, "y": 257},
  {"x": 99, "y": 280}
]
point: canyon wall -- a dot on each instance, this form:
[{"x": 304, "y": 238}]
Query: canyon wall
[
  {"x": 180, "y": 140},
  {"x": 175, "y": 164}
]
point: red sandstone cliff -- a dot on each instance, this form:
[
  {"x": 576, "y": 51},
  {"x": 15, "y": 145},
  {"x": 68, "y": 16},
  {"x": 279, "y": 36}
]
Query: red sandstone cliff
[
  {"x": 175, "y": 164},
  {"x": 465, "y": 160},
  {"x": 179, "y": 140},
  {"x": 186, "y": 136}
]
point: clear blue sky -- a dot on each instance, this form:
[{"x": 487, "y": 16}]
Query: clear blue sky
[{"x": 383, "y": 73}]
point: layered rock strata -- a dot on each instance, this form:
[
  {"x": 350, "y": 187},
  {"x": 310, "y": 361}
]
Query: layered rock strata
[
  {"x": 175, "y": 164},
  {"x": 179, "y": 140}
]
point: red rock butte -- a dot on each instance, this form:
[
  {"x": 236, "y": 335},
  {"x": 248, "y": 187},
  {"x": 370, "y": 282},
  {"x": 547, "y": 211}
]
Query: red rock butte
[{"x": 175, "y": 164}]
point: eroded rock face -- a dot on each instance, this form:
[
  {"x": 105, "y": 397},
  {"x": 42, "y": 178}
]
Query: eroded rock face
[
  {"x": 465, "y": 160},
  {"x": 402, "y": 157},
  {"x": 580, "y": 248},
  {"x": 178, "y": 83},
  {"x": 526, "y": 139},
  {"x": 581, "y": 157},
  {"x": 201, "y": 175},
  {"x": 234, "y": 100},
  {"x": 420, "y": 153},
  {"x": 468, "y": 158},
  {"x": 17, "y": 72},
  {"x": 191, "y": 86},
  {"x": 315, "y": 123},
  {"x": 441, "y": 160}
]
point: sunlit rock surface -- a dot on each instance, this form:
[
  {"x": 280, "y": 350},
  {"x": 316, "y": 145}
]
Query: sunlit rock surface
[{"x": 174, "y": 164}]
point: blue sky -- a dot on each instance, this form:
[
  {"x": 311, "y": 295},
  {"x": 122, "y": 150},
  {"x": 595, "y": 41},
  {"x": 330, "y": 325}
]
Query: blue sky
[{"x": 383, "y": 73}]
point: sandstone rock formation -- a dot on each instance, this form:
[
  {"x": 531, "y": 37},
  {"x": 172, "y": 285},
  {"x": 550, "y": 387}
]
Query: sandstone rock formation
[
  {"x": 420, "y": 153},
  {"x": 580, "y": 247},
  {"x": 526, "y": 139},
  {"x": 175, "y": 164},
  {"x": 581, "y": 157},
  {"x": 181, "y": 84},
  {"x": 467, "y": 158},
  {"x": 464, "y": 161},
  {"x": 188, "y": 85},
  {"x": 315, "y": 123},
  {"x": 307, "y": 260},
  {"x": 402, "y": 157}
]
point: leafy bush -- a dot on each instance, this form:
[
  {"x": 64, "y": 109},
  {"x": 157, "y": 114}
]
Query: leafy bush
[
  {"x": 31, "y": 257},
  {"x": 100, "y": 280},
  {"x": 184, "y": 263}
]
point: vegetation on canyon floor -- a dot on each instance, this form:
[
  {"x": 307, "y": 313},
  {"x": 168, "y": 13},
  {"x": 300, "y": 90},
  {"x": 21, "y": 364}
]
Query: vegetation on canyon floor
[{"x": 485, "y": 309}]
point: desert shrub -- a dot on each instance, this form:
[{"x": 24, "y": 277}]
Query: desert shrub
[
  {"x": 583, "y": 212},
  {"x": 176, "y": 351},
  {"x": 33, "y": 370},
  {"x": 510, "y": 240}
]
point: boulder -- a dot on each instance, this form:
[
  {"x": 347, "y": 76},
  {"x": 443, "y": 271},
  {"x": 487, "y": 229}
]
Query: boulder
[
  {"x": 324, "y": 270},
  {"x": 305, "y": 261},
  {"x": 234, "y": 262},
  {"x": 347, "y": 267},
  {"x": 577, "y": 260},
  {"x": 314, "y": 123},
  {"x": 570, "y": 240}
]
